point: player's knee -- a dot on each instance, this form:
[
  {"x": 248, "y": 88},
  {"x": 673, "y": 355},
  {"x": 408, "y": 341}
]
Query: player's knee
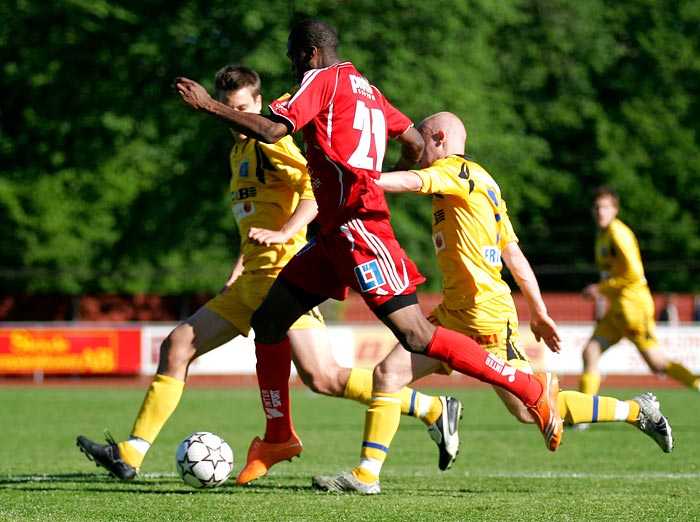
[
  {"x": 177, "y": 350},
  {"x": 266, "y": 328},
  {"x": 413, "y": 341},
  {"x": 385, "y": 377},
  {"x": 658, "y": 368}
]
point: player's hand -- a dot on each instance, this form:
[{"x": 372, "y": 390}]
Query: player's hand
[
  {"x": 591, "y": 291},
  {"x": 192, "y": 93},
  {"x": 263, "y": 236},
  {"x": 545, "y": 329}
]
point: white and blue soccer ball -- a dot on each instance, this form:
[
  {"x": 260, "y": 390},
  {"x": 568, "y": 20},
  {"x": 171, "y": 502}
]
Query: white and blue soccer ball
[{"x": 204, "y": 460}]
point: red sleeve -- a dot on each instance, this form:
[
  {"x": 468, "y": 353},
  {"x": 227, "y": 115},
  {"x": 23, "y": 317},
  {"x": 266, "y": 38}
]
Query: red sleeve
[
  {"x": 309, "y": 99},
  {"x": 396, "y": 121}
]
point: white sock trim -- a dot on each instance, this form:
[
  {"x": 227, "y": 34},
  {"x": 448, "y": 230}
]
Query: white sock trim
[
  {"x": 140, "y": 445},
  {"x": 622, "y": 411},
  {"x": 374, "y": 466}
]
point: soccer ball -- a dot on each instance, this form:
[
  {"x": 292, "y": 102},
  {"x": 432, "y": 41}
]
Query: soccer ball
[{"x": 204, "y": 460}]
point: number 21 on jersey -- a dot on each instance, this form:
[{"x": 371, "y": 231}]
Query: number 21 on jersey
[{"x": 371, "y": 124}]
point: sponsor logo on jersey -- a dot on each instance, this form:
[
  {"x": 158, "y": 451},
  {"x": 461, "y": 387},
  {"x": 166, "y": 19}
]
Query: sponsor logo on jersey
[
  {"x": 361, "y": 86},
  {"x": 492, "y": 255},
  {"x": 369, "y": 275},
  {"x": 281, "y": 104},
  {"x": 438, "y": 216},
  {"x": 244, "y": 193},
  {"x": 439, "y": 241},
  {"x": 243, "y": 210},
  {"x": 244, "y": 169}
]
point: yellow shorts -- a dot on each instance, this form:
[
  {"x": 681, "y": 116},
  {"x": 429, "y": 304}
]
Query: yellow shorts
[
  {"x": 493, "y": 324},
  {"x": 246, "y": 294},
  {"x": 633, "y": 320}
]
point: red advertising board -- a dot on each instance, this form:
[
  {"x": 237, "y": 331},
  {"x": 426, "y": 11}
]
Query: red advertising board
[{"x": 107, "y": 351}]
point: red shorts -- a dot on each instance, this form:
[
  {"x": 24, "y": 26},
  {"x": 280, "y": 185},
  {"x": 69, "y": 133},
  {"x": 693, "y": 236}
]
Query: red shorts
[{"x": 362, "y": 254}]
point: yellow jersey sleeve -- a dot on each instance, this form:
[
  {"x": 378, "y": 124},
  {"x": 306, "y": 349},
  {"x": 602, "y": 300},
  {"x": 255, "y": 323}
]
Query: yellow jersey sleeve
[
  {"x": 470, "y": 228},
  {"x": 290, "y": 165},
  {"x": 267, "y": 181}
]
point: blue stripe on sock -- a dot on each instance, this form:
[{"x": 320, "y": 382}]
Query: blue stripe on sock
[
  {"x": 380, "y": 447},
  {"x": 412, "y": 408},
  {"x": 595, "y": 408}
]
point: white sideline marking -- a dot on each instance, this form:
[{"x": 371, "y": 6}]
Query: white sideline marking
[
  {"x": 547, "y": 475},
  {"x": 574, "y": 475}
]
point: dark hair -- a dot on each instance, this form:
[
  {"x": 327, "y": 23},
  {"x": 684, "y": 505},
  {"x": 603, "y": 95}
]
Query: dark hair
[
  {"x": 607, "y": 192},
  {"x": 235, "y": 77},
  {"x": 314, "y": 32}
]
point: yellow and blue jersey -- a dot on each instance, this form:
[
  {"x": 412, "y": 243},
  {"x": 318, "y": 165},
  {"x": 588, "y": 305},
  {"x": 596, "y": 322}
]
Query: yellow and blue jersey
[
  {"x": 470, "y": 229},
  {"x": 620, "y": 263},
  {"x": 267, "y": 182}
]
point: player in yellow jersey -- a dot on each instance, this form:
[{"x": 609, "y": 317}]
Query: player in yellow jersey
[
  {"x": 472, "y": 234},
  {"x": 631, "y": 311},
  {"x": 272, "y": 202}
]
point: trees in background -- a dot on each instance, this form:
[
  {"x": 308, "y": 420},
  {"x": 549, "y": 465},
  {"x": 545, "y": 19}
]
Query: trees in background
[{"x": 108, "y": 183}]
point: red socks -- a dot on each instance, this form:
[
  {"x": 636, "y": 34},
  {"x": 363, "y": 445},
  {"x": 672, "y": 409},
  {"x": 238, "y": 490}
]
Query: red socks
[
  {"x": 273, "y": 368},
  {"x": 465, "y": 355}
]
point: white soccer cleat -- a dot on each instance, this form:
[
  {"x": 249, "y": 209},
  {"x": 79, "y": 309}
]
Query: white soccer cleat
[
  {"x": 345, "y": 483},
  {"x": 652, "y": 422}
]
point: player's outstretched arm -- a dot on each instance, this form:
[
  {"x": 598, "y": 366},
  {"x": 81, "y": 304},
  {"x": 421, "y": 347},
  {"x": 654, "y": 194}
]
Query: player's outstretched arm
[
  {"x": 400, "y": 181},
  {"x": 541, "y": 324},
  {"x": 257, "y": 126},
  {"x": 303, "y": 215}
]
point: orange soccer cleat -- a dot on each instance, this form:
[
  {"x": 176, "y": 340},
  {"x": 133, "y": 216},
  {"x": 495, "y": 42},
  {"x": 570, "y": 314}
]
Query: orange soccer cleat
[
  {"x": 263, "y": 455},
  {"x": 546, "y": 410}
]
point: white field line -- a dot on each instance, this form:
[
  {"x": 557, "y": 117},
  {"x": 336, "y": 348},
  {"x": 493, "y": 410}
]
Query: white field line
[{"x": 516, "y": 475}]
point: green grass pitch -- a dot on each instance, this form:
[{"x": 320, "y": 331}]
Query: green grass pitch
[{"x": 504, "y": 472}]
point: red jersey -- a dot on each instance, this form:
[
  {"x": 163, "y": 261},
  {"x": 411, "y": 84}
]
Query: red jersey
[{"x": 345, "y": 122}]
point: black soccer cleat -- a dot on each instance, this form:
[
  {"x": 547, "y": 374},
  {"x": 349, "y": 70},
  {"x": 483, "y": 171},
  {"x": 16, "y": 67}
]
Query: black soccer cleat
[
  {"x": 108, "y": 456},
  {"x": 445, "y": 431}
]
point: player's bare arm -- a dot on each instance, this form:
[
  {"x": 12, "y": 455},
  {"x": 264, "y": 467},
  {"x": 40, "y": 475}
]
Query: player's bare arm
[
  {"x": 235, "y": 272},
  {"x": 591, "y": 291},
  {"x": 303, "y": 214},
  {"x": 541, "y": 324},
  {"x": 412, "y": 146},
  {"x": 257, "y": 126},
  {"x": 400, "y": 181}
]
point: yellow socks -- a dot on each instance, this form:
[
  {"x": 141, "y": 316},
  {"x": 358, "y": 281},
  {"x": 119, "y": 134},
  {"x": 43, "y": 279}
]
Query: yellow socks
[
  {"x": 130, "y": 454},
  {"x": 381, "y": 422},
  {"x": 579, "y": 408},
  {"x": 359, "y": 386},
  {"x": 681, "y": 374},
  {"x": 161, "y": 399},
  {"x": 590, "y": 383},
  {"x": 414, "y": 403}
]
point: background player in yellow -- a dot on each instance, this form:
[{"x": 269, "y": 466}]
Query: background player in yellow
[
  {"x": 631, "y": 310},
  {"x": 472, "y": 234},
  {"x": 272, "y": 202}
]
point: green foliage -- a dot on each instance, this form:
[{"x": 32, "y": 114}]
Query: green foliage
[
  {"x": 108, "y": 183},
  {"x": 503, "y": 472}
]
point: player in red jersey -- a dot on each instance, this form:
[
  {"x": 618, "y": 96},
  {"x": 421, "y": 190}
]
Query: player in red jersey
[{"x": 345, "y": 122}]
